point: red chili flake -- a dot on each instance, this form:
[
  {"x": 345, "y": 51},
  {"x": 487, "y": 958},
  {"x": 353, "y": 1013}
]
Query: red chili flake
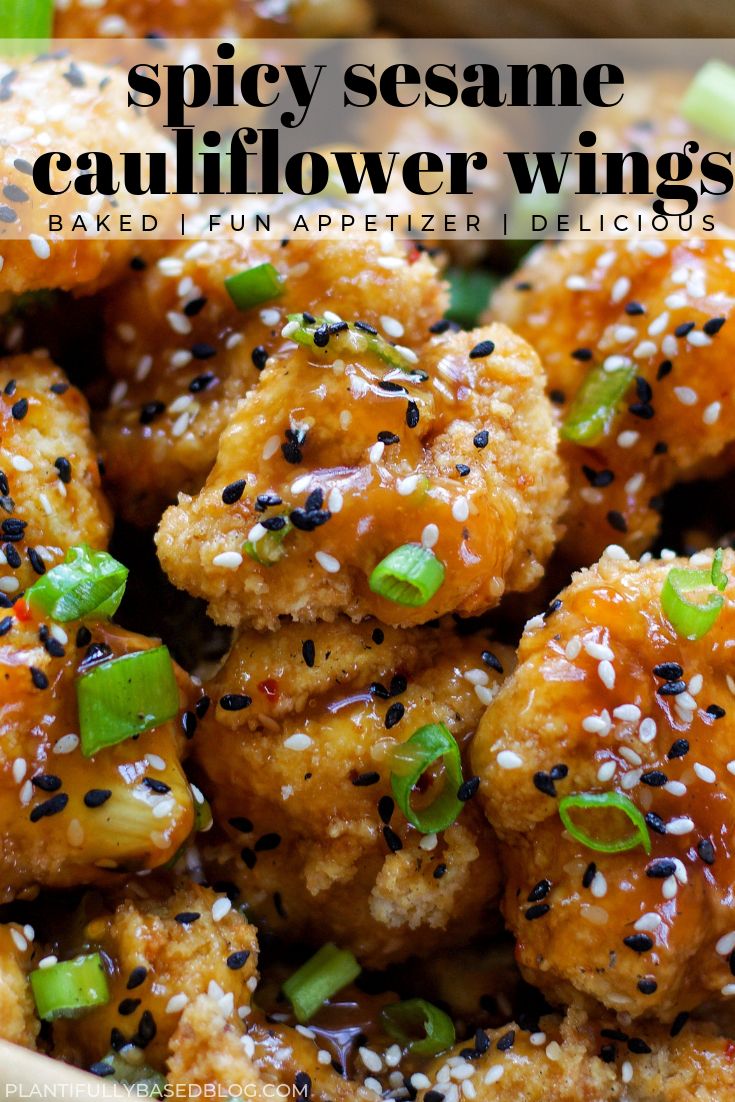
[
  {"x": 269, "y": 688},
  {"x": 413, "y": 255},
  {"x": 21, "y": 611},
  {"x": 730, "y": 1051}
]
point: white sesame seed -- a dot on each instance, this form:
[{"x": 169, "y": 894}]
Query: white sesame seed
[
  {"x": 576, "y": 283},
  {"x": 176, "y": 1003},
  {"x": 430, "y": 535},
  {"x": 391, "y": 326},
  {"x": 711, "y": 413},
  {"x": 597, "y": 725},
  {"x": 18, "y": 939},
  {"x": 180, "y": 358},
  {"x": 376, "y": 452},
  {"x": 406, "y": 486},
  {"x": 335, "y": 500},
  {"x": 371, "y": 1060},
  {"x": 648, "y": 922},
  {"x": 728, "y": 989},
  {"x": 630, "y": 779},
  {"x": 298, "y": 741},
  {"x": 507, "y": 759},
  {"x": 485, "y": 694},
  {"x": 599, "y": 651},
  {"x": 477, "y": 676},
  {"x": 726, "y": 944},
  {"x": 684, "y": 825},
  {"x": 391, "y": 262},
  {"x": 494, "y": 1074},
  {"x": 40, "y": 246},
  {"x": 686, "y": 395},
  {"x": 9, "y": 585},
  {"x": 220, "y": 908},
  {"x": 675, "y": 788},
  {"x": 624, "y": 333},
  {"x": 155, "y": 762},
  {"x": 419, "y": 1081},
  {"x": 669, "y": 887},
  {"x": 461, "y": 509},
  {"x": 731, "y": 767},
  {"x": 606, "y": 771},
  {"x": 428, "y": 842},
  {"x": 48, "y": 961},
  {"x": 628, "y": 438},
  {"x": 67, "y": 744},
  {"x": 698, "y": 339},
  {"x": 19, "y": 769},
  {"x": 257, "y": 532},
  {"x": 606, "y": 672},
  {"x": 230, "y": 560},
  {"x": 328, "y": 562},
  {"x": 647, "y": 730},
  {"x": 630, "y": 756},
  {"x": 658, "y": 324},
  {"x": 178, "y": 322},
  {"x": 537, "y": 1039},
  {"x": 615, "y": 363},
  {"x": 670, "y": 346},
  {"x": 614, "y": 551},
  {"x": 553, "y": 1051},
  {"x": 644, "y": 350},
  {"x": 695, "y": 684},
  {"x": 573, "y": 648},
  {"x": 324, "y": 1057},
  {"x": 290, "y": 328},
  {"x": 20, "y": 463},
  {"x": 629, "y": 713},
  {"x": 626, "y": 1071},
  {"x": 620, "y": 289},
  {"x": 705, "y": 773},
  {"x": 598, "y": 887},
  {"x": 75, "y": 833}
]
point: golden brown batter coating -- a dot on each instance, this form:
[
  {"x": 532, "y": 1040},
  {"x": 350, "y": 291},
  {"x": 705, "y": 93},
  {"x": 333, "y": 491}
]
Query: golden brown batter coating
[
  {"x": 212, "y": 19},
  {"x": 49, "y": 835},
  {"x": 183, "y": 355},
  {"x": 663, "y": 307},
  {"x": 50, "y": 484},
  {"x": 573, "y": 1060},
  {"x": 363, "y": 458},
  {"x": 167, "y": 946},
  {"x": 608, "y": 698},
  {"x": 300, "y": 782},
  {"x": 18, "y": 1021},
  {"x": 45, "y": 110}
]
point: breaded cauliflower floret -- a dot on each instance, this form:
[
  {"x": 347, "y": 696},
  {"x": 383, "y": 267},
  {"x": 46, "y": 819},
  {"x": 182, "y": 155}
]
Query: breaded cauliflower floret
[
  {"x": 581, "y": 1060},
  {"x": 18, "y": 1020},
  {"x": 182, "y": 355},
  {"x": 93, "y": 99},
  {"x": 167, "y": 944},
  {"x": 212, "y": 19},
  {"x": 661, "y": 311},
  {"x": 67, "y": 819},
  {"x": 50, "y": 496},
  {"x": 336, "y": 460},
  {"x": 608, "y": 698},
  {"x": 296, "y": 749}
]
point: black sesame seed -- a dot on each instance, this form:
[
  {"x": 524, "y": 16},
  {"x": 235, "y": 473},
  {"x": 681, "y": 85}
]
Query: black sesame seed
[
  {"x": 544, "y": 783},
  {"x": 661, "y": 868},
  {"x": 267, "y": 842},
  {"x": 38, "y": 677},
  {"x": 53, "y": 806},
  {"x": 600, "y": 479},
  {"x": 366, "y": 327},
  {"x": 386, "y": 807},
  {"x": 23, "y": 166},
  {"x": 302, "y": 1084},
  {"x": 15, "y": 194},
  {"x": 440, "y": 326},
  {"x": 706, "y": 851},
  {"x": 239, "y": 822},
  {"x": 468, "y": 789},
  {"x": 37, "y": 563},
  {"x": 655, "y": 822},
  {"x": 462, "y": 469},
  {"x": 13, "y": 558},
  {"x": 669, "y": 671},
  {"x": 249, "y": 858},
  {"x": 391, "y": 387},
  {"x": 584, "y": 355},
  {"x": 187, "y": 918},
  {"x": 306, "y": 520},
  {"x": 394, "y": 714},
  {"x": 678, "y": 1023},
  {"x": 19, "y": 409},
  {"x": 614, "y": 1034},
  {"x": 643, "y": 389},
  {"x": 506, "y": 1041},
  {"x": 259, "y": 356},
  {"x": 195, "y": 306},
  {"x": 7, "y": 214},
  {"x": 412, "y": 415},
  {"x": 146, "y": 1030},
  {"x": 660, "y": 447},
  {"x": 664, "y": 369},
  {"x": 203, "y": 351},
  {"x": 492, "y": 661},
  {"x": 136, "y": 977},
  {"x": 128, "y": 1006},
  {"x": 274, "y": 524},
  {"x": 150, "y": 411},
  {"x": 160, "y": 787},
  {"x": 63, "y": 466},
  {"x": 201, "y": 382},
  {"x": 83, "y": 636},
  {"x": 716, "y": 711},
  {"x": 539, "y": 891},
  {"x": 589, "y": 874},
  {"x": 484, "y": 348},
  {"x": 378, "y": 636},
  {"x": 392, "y": 840},
  {"x": 315, "y": 499},
  {"x": 234, "y": 702},
  {"x": 6, "y": 624},
  {"x": 481, "y": 439},
  {"x": 654, "y": 778},
  {"x": 608, "y": 1053},
  {"x": 189, "y": 724},
  {"x": 291, "y": 452},
  {"x": 642, "y": 410},
  {"x": 647, "y": 985},
  {"x": 713, "y": 326},
  {"x": 633, "y": 309},
  {"x": 678, "y": 749},
  {"x": 684, "y": 329},
  {"x": 233, "y": 492},
  {"x": 236, "y": 960},
  {"x": 537, "y": 911},
  {"x": 96, "y": 797},
  {"x": 101, "y": 1069},
  {"x": 638, "y": 1046},
  {"x": 202, "y": 706},
  {"x": 439, "y": 871},
  {"x": 671, "y": 688},
  {"x": 47, "y": 782},
  {"x": 364, "y": 780},
  {"x": 558, "y": 772},
  {"x": 639, "y": 943},
  {"x": 617, "y": 521}
]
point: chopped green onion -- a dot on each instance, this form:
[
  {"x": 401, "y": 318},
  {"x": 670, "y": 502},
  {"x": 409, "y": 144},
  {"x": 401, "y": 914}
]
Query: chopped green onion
[
  {"x": 719, "y": 577},
  {"x": 70, "y": 987},
  {"x": 147, "y": 1082},
  {"x": 253, "y": 286},
  {"x": 269, "y": 549},
  {"x": 469, "y": 294},
  {"x": 595, "y": 405},
  {"x": 124, "y": 697},
  {"x": 709, "y": 101},
  {"x": 326, "y": 973},
  {"x": 410, "y": 761},
  {"x": 692, "y": 619},
  {"x": 593, "y": 802},
  {"x": 410, "y": 575},
  {"x": 348, "y": 339},
  {"x": 87, "y": 583},
  {"x": 402, "y": 1021},
  {"x": 26, "y": 19},
  {"x": 203, "y": 818}
]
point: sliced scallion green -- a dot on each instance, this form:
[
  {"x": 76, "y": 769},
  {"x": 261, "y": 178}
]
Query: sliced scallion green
[
  {"x": 147, "y": 1082},
  {"x": 709, "y": 101},
  {"x": 691, "y": 619},
  {"x": 87, "y": 583},
  {"x": 269, "y": 549},
  {"x": 595, "y": 405},
  {"x": 403, "y": 1021},
  {"x": 346, "y": 338},
  {"x": 70, "y": 987},
  {"x": 124, "y": 697},
  {"x": 27, "y": 19},
  {"x": 409, "y": 762},
  {"x": 323, "y": 975},
  {"x": 593, "y": 803},
  {"x": 410, "y": 575},
  {"x": 469, "y": 294},
  {"x": 719, "y": 577},
  {"x": 261, "y": 283}
]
